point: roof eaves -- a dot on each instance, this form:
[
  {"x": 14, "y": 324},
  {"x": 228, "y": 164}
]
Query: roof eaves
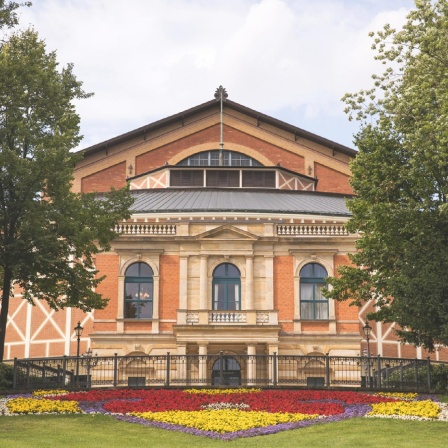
[
  {"x": 148, "y": 128},
  {"x": 294, "y": 129}
]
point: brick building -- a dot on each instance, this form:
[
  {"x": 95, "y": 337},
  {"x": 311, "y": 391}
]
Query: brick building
[{"x": 238, "y": 218}]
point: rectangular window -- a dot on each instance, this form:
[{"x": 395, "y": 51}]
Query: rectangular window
[
  {"x": 263, "y": 179},
  {"x": 223, "y": 178},
  {"x": 220, "y": 297},
  {"x": 306, "y": 310},
  {"x": 313, "y": 305},
  {"x": 145, "y": 309},
  {"x": 187, "y": 178},
  {"x": 214, "y": 158}
]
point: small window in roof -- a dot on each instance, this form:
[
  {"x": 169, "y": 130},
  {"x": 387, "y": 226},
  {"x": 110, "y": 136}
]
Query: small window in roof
[{"x": 211, "y": 158}]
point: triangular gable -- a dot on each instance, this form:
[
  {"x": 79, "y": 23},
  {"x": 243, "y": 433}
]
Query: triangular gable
[
  {"x": 214, "y": 106},
  {"x": 227, "y": 232}
]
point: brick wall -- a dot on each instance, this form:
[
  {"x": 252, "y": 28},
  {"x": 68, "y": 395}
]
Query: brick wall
[
  {"x": 344, "y": 312},
  {"x": 318, "y": 327},
  {"x": 284, "y": 290},
  {"x": 331, "y": 180},
  {"x": 169, "y": 290},
  {"x": 108, "y": 265},
  {"x": 156, "y": 158},
  {"x": 114, "y": 176}
]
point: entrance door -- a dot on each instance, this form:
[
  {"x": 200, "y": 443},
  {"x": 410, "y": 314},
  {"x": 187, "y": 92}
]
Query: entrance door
[{"x": 226, "y": 371}]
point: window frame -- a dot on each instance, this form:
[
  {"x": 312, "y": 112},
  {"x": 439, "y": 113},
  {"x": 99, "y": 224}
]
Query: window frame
[
  {"x": 211, "y": 158},
  {"x": 315, "y": 281},
  {"x": 226, "y": 281},
  {"x": 139, "y": 280}
]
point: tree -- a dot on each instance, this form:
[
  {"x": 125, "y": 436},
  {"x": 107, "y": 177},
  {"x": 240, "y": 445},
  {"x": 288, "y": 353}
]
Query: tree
[
  {"x": 49, "y": 235},
  {"x": 400, "y": 177},
  {"x": 8, "y": 15}
]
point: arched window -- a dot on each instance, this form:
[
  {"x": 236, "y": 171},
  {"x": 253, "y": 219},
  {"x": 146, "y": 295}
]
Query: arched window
[
  {"x": 226, "y": 287},
  {"x": 313, "y": 305},
  {"x": 211, "y": 158},
  {"x": 138, "y": 291}
]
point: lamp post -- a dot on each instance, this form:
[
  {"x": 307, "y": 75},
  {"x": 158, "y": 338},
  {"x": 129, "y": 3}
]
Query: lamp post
[
  {"x": 78, "y": 330},
  {"x": 89, "y": 362},
  {"x": 367, "y": 330}
]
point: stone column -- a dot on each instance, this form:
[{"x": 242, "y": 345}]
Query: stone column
[
  {"x": 203, "y": 283},
  {"x": 251, "y": 365},
  {"x": 271, "y": 350},
  {"x": 249, "y": 283},
  {"x": 202, "y": 373},
  {"x": 120, "y": 305},
  {"x": 269, "y": 285},
  {"x": 181, "y": 362},
  {"x": 155, "y": 304},
  {"x": 183, "y": 282}
]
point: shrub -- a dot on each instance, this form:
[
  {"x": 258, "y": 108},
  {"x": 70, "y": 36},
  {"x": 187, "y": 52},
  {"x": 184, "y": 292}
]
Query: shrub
[
  {"x": 439, "y": 377},
  {"x": 6, "y": 376}
]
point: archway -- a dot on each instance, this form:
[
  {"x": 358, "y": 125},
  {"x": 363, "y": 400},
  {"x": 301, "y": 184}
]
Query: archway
[{"x": 226, "y": 371}]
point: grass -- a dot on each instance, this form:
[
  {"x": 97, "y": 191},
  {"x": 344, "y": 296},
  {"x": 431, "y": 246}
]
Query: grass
[{"x": 97, "y": 431}]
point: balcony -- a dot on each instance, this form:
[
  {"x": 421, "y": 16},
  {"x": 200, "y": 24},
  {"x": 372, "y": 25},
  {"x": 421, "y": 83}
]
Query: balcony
[{"x": 206, "y": 317}]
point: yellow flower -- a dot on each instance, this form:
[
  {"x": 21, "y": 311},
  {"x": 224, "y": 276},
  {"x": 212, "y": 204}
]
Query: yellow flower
[
  {"x": 43, "y": 393},
  {"x": 426, "y": 409},
  {"x": 22, "y": 405},
  {"x": 400, "y": 395},
  {"x": 223, "y": 421}
]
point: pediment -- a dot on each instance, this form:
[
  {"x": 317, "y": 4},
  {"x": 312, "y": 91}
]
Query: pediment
[{"x": 227, "y": 232}]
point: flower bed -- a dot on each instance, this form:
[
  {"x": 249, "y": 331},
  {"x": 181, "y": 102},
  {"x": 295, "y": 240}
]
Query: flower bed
[
  {"x": 227, "y": 413},
  {"x": 22, "y": 405},
  {"x": 427, "y": 409},
  {"x": 224, "y": 420}
]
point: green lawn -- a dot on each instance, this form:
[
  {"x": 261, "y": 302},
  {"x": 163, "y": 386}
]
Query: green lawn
[{"x": 97, "y": 431}]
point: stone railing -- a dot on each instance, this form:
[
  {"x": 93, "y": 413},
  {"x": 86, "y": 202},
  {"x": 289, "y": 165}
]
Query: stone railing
[
  {"x": 312, "y": 230},
  {"x": 230, "y": 317},
  {"x": 192, "y": 317},
  {"x": 145, "y": 229},
  {"x": 227, "y": 317}
]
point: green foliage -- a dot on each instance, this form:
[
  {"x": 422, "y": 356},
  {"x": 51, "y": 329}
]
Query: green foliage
[
  {"x": 410, "y": 377},
  {"x": 6, "y": 376},
  {"x": 8, "y": 14},
  {"x": 49, "y": 235},
  {"x": 400, "y": 178},
  {"x": 439, "y": 377}
]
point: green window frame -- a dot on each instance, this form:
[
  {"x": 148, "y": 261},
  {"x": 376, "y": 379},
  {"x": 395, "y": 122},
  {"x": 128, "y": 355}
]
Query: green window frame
[
  {"x": 313, "y": 305},
  {"x": 226, "y": 286},
  {"x": 138, "y": 291}
]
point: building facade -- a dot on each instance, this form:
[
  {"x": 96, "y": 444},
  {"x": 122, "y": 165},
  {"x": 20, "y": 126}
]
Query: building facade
[{"x": 237, "y": 220}]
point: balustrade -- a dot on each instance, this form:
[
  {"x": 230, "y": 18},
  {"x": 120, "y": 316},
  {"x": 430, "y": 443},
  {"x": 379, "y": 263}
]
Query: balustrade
[{"x": 312, "y": 230}]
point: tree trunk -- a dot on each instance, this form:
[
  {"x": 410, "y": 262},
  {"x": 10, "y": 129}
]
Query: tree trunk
[{"x": 6, "y": 291}]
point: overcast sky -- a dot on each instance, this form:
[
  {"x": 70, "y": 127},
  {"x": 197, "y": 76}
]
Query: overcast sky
[{"x": 148, "y": 59}]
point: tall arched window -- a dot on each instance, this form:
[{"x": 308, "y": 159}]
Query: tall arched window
[
  {"x": 313, "y": 305},
  {"x": 138, "y": 291},
  {"x": 226, "y": 287}
]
